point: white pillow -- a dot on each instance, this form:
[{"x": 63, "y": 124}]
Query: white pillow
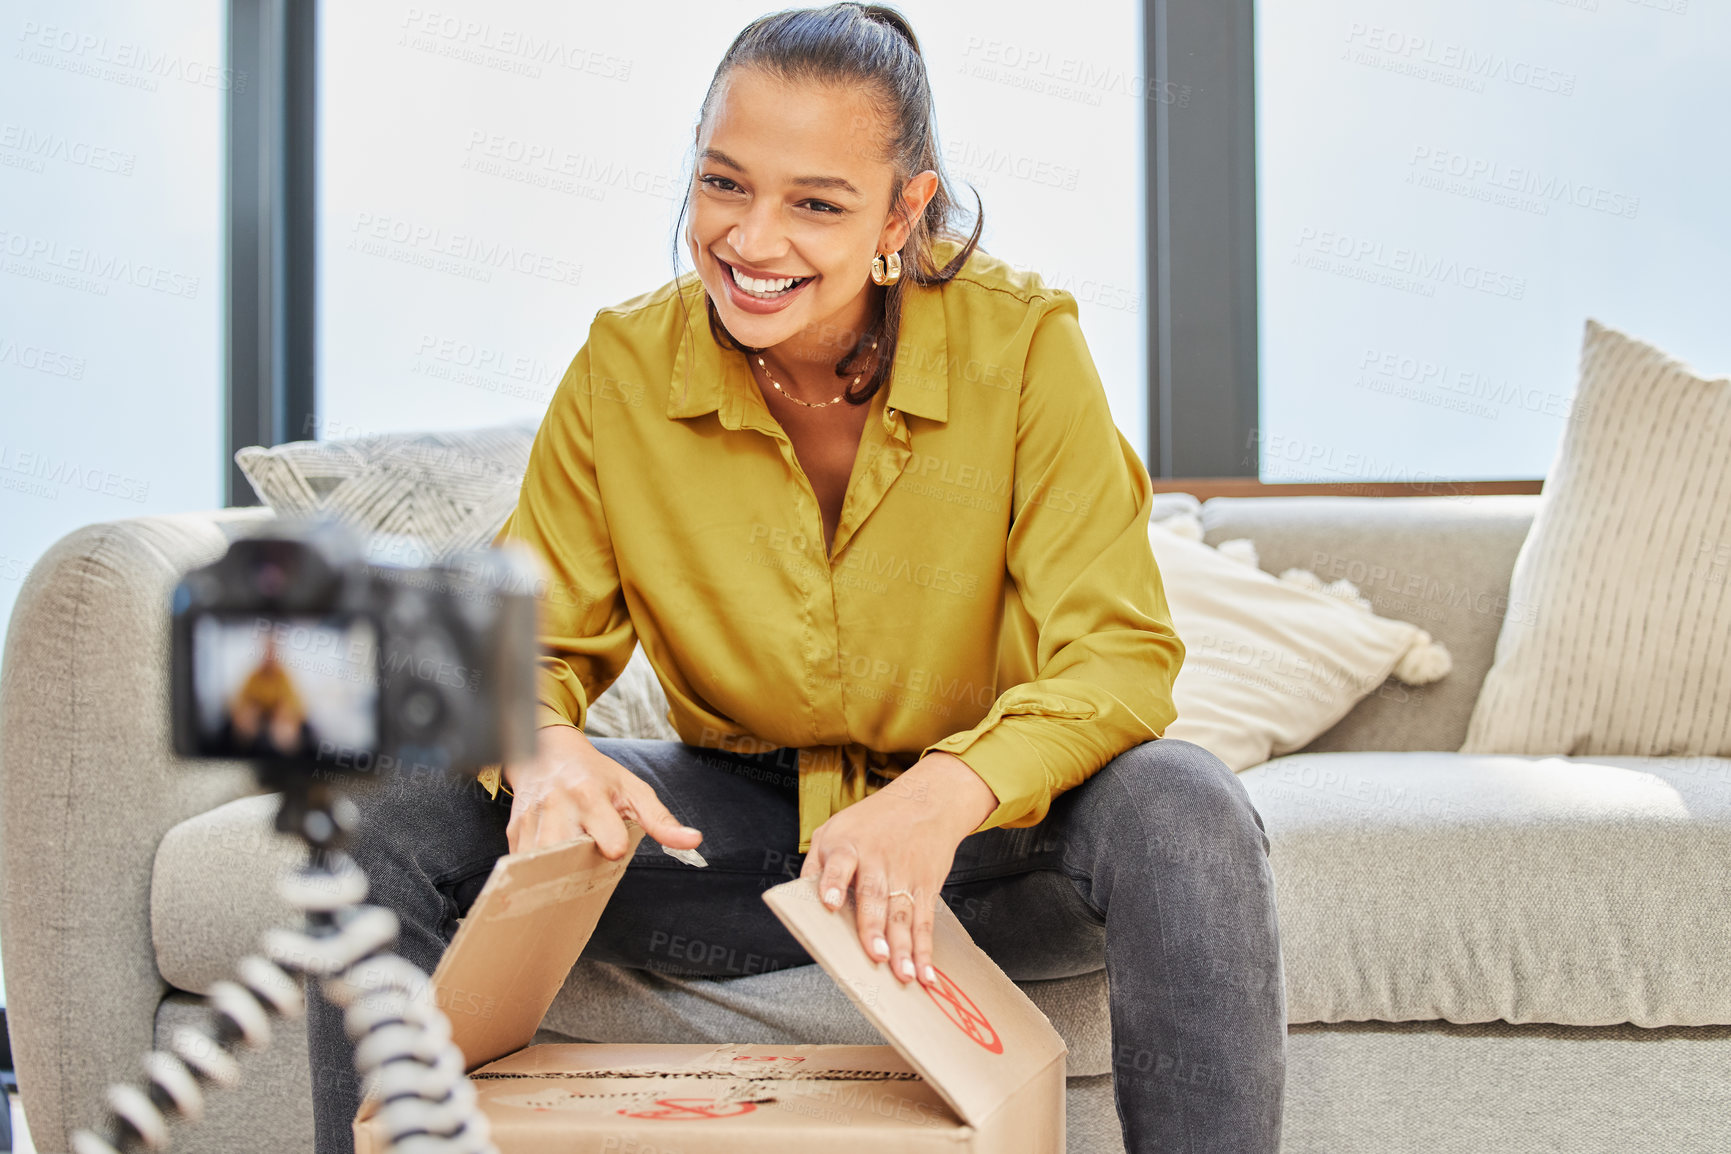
[
  {"x": 1272, "y": 663},
  {"x": 1630, "y": 650}
]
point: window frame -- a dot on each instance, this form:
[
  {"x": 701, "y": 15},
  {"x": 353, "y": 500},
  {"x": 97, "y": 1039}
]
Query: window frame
[
  {"x": 1201, "y": 324},
  {"x": 271, "y": 201}
]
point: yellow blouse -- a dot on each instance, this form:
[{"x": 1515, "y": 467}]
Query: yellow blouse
[{"x": 991, "y": 591}]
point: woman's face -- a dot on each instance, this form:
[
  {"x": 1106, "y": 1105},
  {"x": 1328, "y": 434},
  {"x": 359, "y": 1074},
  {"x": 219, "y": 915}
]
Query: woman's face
[{"x": 790, "y": 204}]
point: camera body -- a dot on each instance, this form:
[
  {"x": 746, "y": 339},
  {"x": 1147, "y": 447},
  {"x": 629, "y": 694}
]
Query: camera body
[{"x": 295, "y": 651}]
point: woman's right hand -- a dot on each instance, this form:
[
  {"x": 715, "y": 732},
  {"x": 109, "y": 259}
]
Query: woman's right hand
[{"x": 572, "y": 788}]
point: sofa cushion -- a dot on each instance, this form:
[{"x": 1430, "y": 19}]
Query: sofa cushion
[
  {"x": 1628, "y": 556},
  {"x": 200, "y": 931},
  {"x": 1471, "y": 888},
  {"x": 1442, "y": 563}
]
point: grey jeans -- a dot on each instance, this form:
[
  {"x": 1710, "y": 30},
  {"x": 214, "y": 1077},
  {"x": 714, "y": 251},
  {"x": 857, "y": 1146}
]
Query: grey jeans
[{"x": 1155, "y": 868}]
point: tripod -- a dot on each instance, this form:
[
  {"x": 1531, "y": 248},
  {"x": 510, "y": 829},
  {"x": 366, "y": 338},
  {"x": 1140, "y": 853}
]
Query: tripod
[{"x": 403, "y": 1046}]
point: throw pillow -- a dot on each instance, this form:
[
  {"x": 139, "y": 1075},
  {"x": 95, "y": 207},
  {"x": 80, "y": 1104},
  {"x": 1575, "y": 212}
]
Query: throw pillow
[
  {"x": 1271, "y": 662},
  {"x": 426, "y": 495},
  {"x": 1626, "y": 562},
  {"x": 633, "y": 706}
]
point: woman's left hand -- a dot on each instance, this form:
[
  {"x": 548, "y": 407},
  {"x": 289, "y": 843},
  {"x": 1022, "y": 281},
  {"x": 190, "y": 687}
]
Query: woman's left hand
[{"x": 895, "y": 847}]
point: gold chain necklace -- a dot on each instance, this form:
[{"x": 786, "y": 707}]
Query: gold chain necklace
[{"x": 775, "y": 384}]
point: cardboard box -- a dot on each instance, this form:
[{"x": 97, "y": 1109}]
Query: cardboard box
[{"x": 974, "y": 1068}]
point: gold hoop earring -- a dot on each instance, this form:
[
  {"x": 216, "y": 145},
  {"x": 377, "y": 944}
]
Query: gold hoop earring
[{"x": 887, "y": 268}]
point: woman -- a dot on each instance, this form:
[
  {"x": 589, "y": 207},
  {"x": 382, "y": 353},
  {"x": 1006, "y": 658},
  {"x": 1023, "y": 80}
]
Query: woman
[
  {"x": 266, "y": 714},
  {"x": 855, "y": 487}
]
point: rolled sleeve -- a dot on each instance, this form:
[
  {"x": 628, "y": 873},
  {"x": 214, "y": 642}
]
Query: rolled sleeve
[
  {"x": 1079, "y": 557},
  {"x": 586, "y": 631}
]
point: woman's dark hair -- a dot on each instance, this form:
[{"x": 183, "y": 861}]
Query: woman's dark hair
[{"x": 870, "y": 46}]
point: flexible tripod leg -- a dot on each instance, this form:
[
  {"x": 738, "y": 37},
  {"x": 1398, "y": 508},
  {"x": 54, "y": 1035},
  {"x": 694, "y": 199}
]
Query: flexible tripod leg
[{"x": 403, "y": 1047}]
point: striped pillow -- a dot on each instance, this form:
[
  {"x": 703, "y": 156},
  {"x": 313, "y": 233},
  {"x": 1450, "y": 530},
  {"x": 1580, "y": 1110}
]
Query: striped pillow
[{"x": 1626, "y": 564}]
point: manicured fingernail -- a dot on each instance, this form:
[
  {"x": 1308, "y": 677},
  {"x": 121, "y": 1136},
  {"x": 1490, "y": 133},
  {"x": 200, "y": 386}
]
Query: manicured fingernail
[
  {"x": 929, "y": 976},
  {"x": 832, "y": 898},
  {"x": 688, "y": 829},
  {"x": 907, "y": 968},
  {"x": 880, "y": 948}
]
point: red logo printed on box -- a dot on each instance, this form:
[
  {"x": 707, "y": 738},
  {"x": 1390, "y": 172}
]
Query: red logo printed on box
[
  {"x": 669, "y": 1109},
  {"x": 960, "y": 1009}
]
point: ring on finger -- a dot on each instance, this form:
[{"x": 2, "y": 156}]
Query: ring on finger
[{"x": 899, "y": 894}]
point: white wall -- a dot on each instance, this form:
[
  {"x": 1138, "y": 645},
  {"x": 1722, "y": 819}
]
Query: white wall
[
  {"x": 111, "y": 291},
  {"x": 1448, "y": 189},
  {"x": 560, "y": 133}
]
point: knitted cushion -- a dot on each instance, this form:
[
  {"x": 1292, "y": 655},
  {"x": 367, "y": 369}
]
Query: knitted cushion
[
  {"x": 633, "y": 706},
  {"x": 433, "y": 493}
]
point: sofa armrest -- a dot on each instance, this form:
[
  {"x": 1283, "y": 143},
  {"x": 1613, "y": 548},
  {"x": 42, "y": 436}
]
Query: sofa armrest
[{"x": 88, "y": 787}]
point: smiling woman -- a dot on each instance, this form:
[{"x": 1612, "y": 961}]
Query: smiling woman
[
  {"x": 887, "y": 553},
  {"x": 817, "y": 154}
]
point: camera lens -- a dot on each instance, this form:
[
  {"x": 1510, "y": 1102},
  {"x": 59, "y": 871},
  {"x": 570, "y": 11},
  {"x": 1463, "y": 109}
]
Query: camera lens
[
  {"x": 270, "y": 579},
  {"x": 409, "y": 612},
  {"x": 420, "y": 709}
]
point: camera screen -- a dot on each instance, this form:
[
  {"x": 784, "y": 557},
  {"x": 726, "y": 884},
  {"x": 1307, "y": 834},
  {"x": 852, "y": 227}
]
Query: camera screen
[{"x": 285, "y": 687}]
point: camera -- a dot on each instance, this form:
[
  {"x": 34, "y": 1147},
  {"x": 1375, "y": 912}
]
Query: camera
[{"x": 295, "y": 651}]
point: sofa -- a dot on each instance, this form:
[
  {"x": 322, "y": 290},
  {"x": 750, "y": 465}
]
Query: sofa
[{"x": 1481, "y": 953}]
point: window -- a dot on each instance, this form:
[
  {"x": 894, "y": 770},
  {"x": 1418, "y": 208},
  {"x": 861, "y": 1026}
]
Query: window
[
  {"x": 111, "y": 298},
  {"x": 1446, "y": 191},
  {"x": 489, "y": 178}
]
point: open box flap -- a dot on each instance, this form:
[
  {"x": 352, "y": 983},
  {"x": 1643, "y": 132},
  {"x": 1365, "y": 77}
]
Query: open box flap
[
  {"x": 518, "y": 942},
  {"x": 977, "y": 1040}
]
